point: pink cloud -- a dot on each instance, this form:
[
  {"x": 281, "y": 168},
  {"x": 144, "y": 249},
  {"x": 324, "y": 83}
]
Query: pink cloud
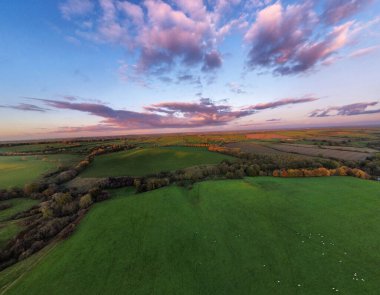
[
  {"x": 281, "y": 102},
  {"x": 364, "y": 51},
  {"x": 284, "y": 39},
  {"x": 203, "y": 113},
  {"x": 355, "y": 109}
]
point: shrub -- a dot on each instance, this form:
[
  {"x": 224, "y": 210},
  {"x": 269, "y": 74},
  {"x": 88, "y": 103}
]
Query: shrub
[
  {"x": 46, "y": 211},
  {"x": 62, "y": 198},
  {"x": 85, "y": 201}
]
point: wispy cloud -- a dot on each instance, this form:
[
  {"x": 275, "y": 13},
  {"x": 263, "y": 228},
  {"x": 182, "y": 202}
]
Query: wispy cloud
[
  {"x": 338, "y": 10},
  {"x": 202, "y": 113},
  {"x": 236, "y": 87},
  {"x": 364, "y": 51},
  {"x": 283, "y": 39},
  {"x": 347, "y": 110},
  {"x": 281, "y": 102},
  {"x": 25, "y": 107},
  {"x": 75, "y": 8}
]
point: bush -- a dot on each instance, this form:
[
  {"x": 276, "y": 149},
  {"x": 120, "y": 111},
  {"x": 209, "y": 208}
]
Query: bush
[
  {"x": 46, "y": 211},
  {"x": 85, "y": 201},
  {"x": 62, "y": 198}
]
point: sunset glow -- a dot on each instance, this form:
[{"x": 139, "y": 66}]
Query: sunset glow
[{"x": 92, "y": 68}]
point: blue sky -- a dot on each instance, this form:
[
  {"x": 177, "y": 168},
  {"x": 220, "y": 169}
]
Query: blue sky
[{"x": 81, "y": 68}]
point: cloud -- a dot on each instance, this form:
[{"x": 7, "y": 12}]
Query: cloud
[
  {"x": 25, "y": 107},
  {"x": 162, "y": 115},
  {"x": 163, "y": 35},
  {"x": 202, "y": 113},
  {"x": 236, "y": 87},
  {"x": 364, "y": 51},
  {"x": 212, "y": 61},
  {"x": 281, "y": 102},
  {"x": 291, "y": 40},
  {"x": 338, "y": 10},
  {"x": 347, "y": 110},
  {"x": 75, "y": 8},
  {"x": 274, "y": 120}
]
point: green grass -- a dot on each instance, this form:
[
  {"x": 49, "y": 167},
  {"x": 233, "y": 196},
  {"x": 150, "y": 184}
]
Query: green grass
[
  {"x": 253, "y": 236},
  {"x": 17, "y": 205},
  {"x": 140, "y": 162},
  {"x": 8, "y": 229},
  {"x": 19, "y": 170}
]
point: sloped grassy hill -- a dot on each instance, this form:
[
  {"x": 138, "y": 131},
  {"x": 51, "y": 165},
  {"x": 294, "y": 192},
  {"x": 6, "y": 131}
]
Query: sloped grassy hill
[
  {"x": 252, "y": 236},
  {"x": 19, "y": 170}
]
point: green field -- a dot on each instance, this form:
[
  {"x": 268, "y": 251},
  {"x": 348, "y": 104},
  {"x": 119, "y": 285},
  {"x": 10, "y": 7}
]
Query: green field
[
  {"x": 9, "y": 229},
  {"x": 252, "y": 236},
  {"x": 19, "y": 170},
  {"x": 17, "y": 205},
  {"x": 140, "y": 162}
]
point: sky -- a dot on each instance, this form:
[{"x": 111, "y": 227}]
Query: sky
[{"x": 73, "y": 68}]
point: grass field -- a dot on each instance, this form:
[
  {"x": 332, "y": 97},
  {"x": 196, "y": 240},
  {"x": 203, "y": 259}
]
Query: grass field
[
  {"x": 9, "y": 229},
  {"x": 17, "y": 205},
  {"x": 19, "y": 170},
  {"x": 140, "y": 162},
  {"x": 252, "y": 236}
]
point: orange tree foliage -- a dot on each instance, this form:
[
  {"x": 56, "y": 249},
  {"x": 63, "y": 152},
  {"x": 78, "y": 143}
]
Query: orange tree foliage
[{"x": 319, "y": 172}]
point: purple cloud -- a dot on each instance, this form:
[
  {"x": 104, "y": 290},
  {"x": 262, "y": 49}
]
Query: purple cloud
[
  {"x": 347, "y": 110},
  {"x": 163, "y": 115},
  {"x": 281, "y": 102},
  {"x": 163, "y": 34},
  {"x": 25, "y": 107},
  {"x": 204, "y": 112},
  {"x": 212, "y": 61},
  {"x": 338, "y": 10},
  {"x": 290, "y": 39}
]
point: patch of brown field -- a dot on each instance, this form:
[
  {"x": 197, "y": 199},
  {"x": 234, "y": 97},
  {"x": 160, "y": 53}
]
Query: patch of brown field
[
  {"x": 340, "y": 148},
  {"x": 260, "y": 149},
  {"x": 325, "y": 152},
  {"x": 266, "y": 136}
]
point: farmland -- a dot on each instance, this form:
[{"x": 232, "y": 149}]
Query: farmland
[
  {"x": 19, "y": 170},
  {"x": 215, "y": 222},
  {"x": 353, "y": 154},
  {"x": 273, "y": 236},
  {"x": 140, "y": 162}
]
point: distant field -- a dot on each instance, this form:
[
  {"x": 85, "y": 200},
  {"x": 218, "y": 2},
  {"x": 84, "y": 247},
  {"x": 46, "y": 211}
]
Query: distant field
[
  {"x": 19, "y": 170},
  {"x": 252, "y": 236},
  {"x": 340, "y": 148},
  {"x": 309, "y": 150},
  {"x": 261, "y": 149},
  {"x": 35, "y": 147},
  {"x": 252, "y": 147},
  {"x": 140, "y": 162},
  {"x": 266, "y": 136}
]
